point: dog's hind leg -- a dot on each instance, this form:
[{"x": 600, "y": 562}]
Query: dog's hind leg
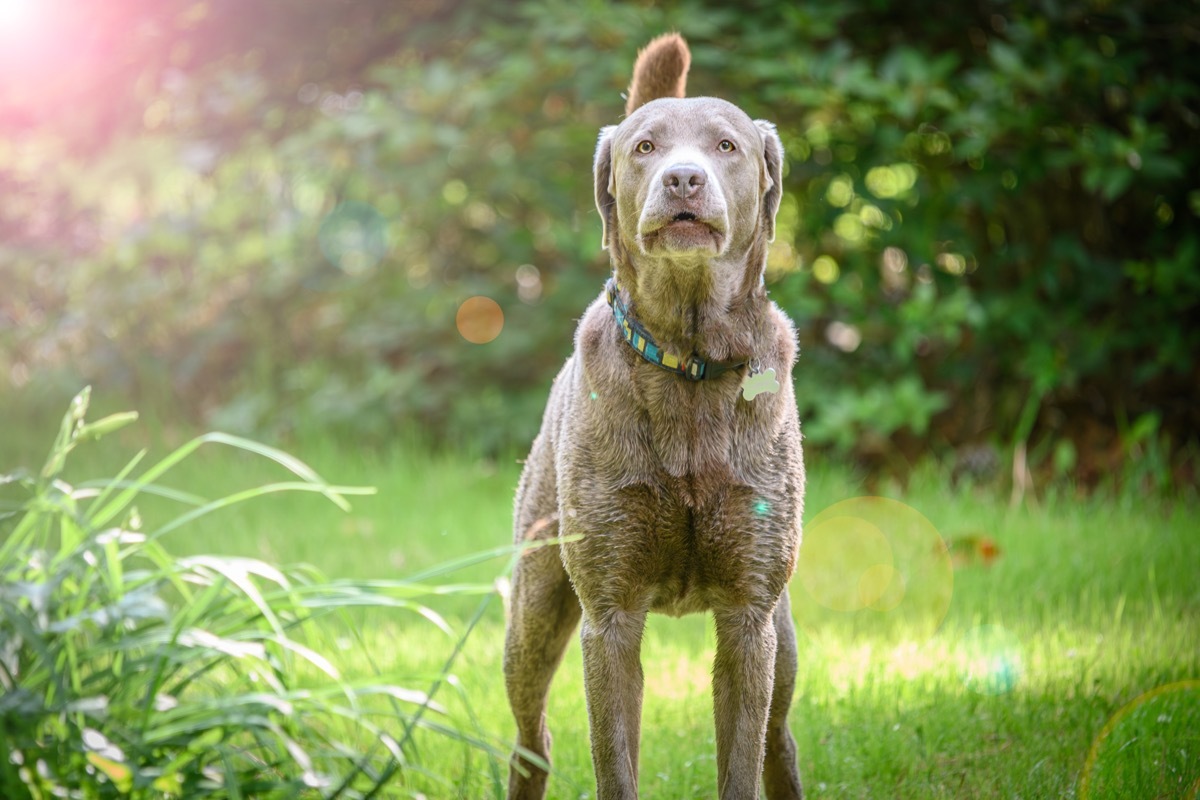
[
  {"x": 781, "y": 773},
  {"x": 544, "y": 614}
]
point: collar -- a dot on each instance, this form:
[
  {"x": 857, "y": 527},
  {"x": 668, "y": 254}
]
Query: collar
[{"x": 693, "y": 367}]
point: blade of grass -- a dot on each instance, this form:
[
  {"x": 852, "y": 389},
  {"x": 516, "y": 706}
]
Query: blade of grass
[
  {"x": 104, "y": 514},
  {"x": 119, "y": 481},
  {"x": 109, "y": 485},
  {"x": 250, "y": 494}
]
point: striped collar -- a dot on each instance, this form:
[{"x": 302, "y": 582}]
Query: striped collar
[{"x": 693, "y": 367}]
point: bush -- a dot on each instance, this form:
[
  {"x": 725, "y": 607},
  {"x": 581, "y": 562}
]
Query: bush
[
  {"x": 987, "y": 216},
  {"x": 127, "y": 672}
]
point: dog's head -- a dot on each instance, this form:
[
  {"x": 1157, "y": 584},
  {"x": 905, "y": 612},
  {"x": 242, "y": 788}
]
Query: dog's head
[{"x": 682, "y": 178}]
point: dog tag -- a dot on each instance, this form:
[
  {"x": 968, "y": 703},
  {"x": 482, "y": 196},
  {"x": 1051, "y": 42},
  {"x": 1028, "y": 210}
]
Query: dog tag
[{"x": 756, "y": 383}]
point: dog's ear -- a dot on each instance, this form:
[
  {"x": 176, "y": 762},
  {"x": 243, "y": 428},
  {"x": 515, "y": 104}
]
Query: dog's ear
[
  {"x": 606, "y": 190},
  {"x": 772, "y": 176},
  {"x": 660, "y": 71}
]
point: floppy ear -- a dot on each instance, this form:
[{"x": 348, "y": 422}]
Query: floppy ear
[
  {"x": 606, "y": 199},
  {"x": 773, "y": 182}
]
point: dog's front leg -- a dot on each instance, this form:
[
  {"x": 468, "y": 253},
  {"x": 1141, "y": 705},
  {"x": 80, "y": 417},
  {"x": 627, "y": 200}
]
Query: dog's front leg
[
  {"x": 612, "y": 676},
  {"x": 743, "y": 678}
]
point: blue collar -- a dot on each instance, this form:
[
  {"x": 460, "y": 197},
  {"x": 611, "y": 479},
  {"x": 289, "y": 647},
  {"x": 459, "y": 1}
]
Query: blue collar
[{"x": 693, "y": 367}]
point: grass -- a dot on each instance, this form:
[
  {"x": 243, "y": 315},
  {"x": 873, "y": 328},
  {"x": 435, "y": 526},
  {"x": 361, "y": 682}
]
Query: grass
[
  {"x": 129, "y": 671},
  {"x": 1077, "y": 611}
]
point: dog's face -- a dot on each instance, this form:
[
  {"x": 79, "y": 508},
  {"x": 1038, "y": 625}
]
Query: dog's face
[{"x": 688, "y": 177}]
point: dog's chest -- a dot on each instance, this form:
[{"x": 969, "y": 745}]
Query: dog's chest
[
  {"x": 702, "y": 435},
  {"x": 686, "y": 548},
  {"x": 697, "y": 506},
  {"x": 677, "y": 488}
]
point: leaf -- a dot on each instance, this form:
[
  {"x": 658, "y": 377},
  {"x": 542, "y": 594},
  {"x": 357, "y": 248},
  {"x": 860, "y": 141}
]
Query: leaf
[
  {"x": 169, "y": 783},
  {"x": 1005, "y": 57},
  {"x": 105, "y": 426},
  {"x": 16, "y": 476},
  {"x": 64, "y": 442},
  {"x": 119, "y": 774},
  {"x": 197, "y": 637},
  {"x": 311, "y": 480},
  {"x": 1143, "y": 428},
  {"x": 20, "y": 703},
  {"x": 1114, "y": 183}
]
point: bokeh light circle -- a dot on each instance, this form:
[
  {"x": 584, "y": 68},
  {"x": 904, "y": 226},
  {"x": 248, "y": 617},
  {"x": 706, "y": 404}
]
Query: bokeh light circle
[
  {"x": 1149, "y": 748},
  {"x": 881, "y": 587},
  {"x": 845, "y": 563},
  {"x": 479, "y": 319},
  {"x": 353, "y": 237},
  {"x": 872, "y": 566}
]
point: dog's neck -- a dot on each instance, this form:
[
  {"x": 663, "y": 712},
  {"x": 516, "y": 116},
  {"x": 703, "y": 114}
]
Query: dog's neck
[{"x": 687, "y": 308}]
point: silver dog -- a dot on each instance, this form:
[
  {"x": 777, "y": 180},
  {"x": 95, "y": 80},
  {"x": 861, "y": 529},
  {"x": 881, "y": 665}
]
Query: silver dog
[{"x": 669, "y": 456}]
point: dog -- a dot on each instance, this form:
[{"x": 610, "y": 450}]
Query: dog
[{"x": 668, "y": 467}]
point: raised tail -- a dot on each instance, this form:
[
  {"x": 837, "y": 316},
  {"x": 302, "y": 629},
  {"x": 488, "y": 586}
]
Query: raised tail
[{"x": 660, "y": 71}]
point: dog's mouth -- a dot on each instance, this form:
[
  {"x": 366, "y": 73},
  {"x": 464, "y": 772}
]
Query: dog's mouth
[
  {"x": 683, "y": 233},
  {"x": 682, "y": 229},
  {"x": 688, "y": 220}
]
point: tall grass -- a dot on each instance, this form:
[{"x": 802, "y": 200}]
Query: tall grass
[
  {"x": 1065, "y": 667},
  {"x": 129, "y": 671}
]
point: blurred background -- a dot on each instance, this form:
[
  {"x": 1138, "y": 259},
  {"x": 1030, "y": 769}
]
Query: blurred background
[{"x": 370, "y": 217}]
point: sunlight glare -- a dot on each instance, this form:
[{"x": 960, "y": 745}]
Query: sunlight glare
[{"x": 17, "y": 17}]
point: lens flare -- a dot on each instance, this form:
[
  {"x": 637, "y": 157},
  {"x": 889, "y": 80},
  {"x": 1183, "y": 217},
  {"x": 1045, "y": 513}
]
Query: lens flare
[
  {"x": 845, "y": 563},
  {"x": 18, "y": 16},
  {"x": 1148, "y": 748},
  {"x": 479, "y": 319},
  {"x": 872, "y": 566},
  {"x": 991, "y": 659}
]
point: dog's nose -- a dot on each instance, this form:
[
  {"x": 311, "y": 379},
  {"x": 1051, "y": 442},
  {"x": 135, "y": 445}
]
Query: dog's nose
[{"x": 684, "y": 180}]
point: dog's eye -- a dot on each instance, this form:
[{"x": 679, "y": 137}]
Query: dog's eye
[
  {"x": 726, "y": 146},
  {"x": 645, "y": 147}
]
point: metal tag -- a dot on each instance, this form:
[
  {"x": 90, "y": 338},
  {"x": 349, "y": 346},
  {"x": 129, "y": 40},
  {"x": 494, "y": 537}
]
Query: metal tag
[{"x": 756, "y": 383}]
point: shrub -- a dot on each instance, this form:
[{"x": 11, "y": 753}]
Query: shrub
[
  {"x": 988, "y": 216},
  {"x": 127, "y": 672}
]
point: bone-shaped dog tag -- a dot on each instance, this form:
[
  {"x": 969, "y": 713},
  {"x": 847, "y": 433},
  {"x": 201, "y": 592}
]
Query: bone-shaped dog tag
[{"x": 756, "y": 383}]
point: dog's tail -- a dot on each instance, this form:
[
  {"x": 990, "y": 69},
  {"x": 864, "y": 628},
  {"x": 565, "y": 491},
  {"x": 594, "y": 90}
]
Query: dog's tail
[{"x": 660, "y": 71}]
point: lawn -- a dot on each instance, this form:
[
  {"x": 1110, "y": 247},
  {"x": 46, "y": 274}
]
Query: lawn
[{"x": 1048, "y": 654}]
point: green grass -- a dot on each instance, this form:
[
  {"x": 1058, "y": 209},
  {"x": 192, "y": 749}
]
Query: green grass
[
  {"x": 1091, "y": 604},
  {"x": 127, "y": 671}
]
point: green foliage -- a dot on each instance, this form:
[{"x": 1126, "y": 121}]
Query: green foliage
[
  {"x": 1030, "y": 198},
  {"x": 980, "y": 208},
  {"x": 129, "y": 672}
]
